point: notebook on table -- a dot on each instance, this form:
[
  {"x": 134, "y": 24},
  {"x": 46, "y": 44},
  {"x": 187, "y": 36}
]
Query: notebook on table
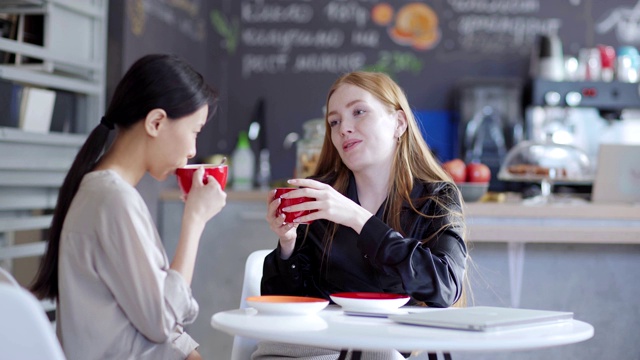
[{"x": 482, "y": 318}]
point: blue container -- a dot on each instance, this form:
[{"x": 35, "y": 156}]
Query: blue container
[{"x": 439, "y": 131}]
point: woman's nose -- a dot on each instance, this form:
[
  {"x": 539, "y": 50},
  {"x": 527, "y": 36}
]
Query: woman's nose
[
  {"x": 191, "y": 154},
  {"x": 345, "y": 128}
]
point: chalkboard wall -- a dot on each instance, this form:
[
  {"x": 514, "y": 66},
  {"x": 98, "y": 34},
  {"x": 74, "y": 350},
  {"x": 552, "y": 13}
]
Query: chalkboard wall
[{"x": 289, "y": 52}]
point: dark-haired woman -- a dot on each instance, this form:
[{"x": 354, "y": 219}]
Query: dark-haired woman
[
  {"x": 387, "y": 217},
  {"x": 118, "y": 295}
]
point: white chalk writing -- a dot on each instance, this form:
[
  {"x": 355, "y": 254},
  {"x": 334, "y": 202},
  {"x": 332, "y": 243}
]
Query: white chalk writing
[
  {"x": 495, "y": 6},
  {"x": 270, "y": 13},
  {"x": 333, "y": 63},
  {"x": 191, "y": 26},
  {"x": 626, "y": 22},
  {"x": 285, "y": 39},
  {"x": 367, "y": 38},
  {"x": 261, "y": 64},
  {"x": 518, "y": 28},
  {"x": 344, "y": 12}
]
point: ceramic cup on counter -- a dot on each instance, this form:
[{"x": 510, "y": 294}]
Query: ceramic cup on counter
[
  {"x": 185, "y": 175},
  {"x": 290, "y": 216}
]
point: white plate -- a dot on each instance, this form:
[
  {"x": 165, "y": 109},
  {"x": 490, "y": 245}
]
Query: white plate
[
  {"x": 286, "y": 305},
  {"x": 369, "y": 302}
]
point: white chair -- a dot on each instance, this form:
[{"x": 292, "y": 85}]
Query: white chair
[
  {"x": 6, "y": 277},
  {"x": 25, "y": 330},
  {"x": 243, "y": 347}
]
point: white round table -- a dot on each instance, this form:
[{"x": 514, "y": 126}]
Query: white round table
[{"x": 331, "y": 328}]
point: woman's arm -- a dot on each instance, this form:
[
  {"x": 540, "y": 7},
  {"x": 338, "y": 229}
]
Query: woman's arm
[
  {"x": 202, "y": 203},
  {"x": 288, "y": 276},
  {"x": 432, "y": 272},
  {"x": 132, "y": 264}
]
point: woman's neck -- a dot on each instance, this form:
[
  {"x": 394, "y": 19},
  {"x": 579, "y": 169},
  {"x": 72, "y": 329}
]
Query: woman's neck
[
  {"x": 372, "y": 189},
  {"x": 125, "y": 157}
]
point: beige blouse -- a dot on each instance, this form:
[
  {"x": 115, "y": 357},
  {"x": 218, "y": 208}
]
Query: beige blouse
[{"x": 118, "y": 297}]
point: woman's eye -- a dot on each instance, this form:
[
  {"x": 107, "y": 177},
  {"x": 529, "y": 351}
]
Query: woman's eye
[
  {"x": 333, "y": 123},
  {"x": 358, "y": 112}
]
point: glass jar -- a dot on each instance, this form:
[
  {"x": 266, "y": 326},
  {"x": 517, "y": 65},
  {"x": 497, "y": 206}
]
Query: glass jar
[{"x": 308, "y": 148}]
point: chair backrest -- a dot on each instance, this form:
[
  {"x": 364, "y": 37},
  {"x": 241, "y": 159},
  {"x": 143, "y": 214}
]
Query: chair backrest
[
  {"x": 244, "y": 347},
  {"x": 25, "y": 330},
  {"x": 7, "y": 278}
]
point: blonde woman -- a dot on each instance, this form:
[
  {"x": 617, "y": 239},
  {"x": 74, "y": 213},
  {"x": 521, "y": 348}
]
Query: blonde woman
[{"x": 387, "y": 217}]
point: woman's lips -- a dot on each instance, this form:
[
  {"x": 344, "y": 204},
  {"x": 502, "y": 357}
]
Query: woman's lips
[{"x": 349, "y": 144}]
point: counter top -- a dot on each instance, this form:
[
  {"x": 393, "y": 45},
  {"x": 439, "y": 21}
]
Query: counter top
[
  {"x": 514, "y": 221},
  {"x": 253, "y": 195},
  {"x": 574, "y": 210}
]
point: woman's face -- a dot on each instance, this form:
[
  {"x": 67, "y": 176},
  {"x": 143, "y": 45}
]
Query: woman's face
[
  {"x": 363, "y": 130},
  {"x": 177, "y": 143}
]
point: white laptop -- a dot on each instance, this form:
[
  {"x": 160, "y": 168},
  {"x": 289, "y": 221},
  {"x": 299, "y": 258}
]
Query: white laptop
[
  {"x": 482, "y": 318},
  {"x": 617, "y": 174}
]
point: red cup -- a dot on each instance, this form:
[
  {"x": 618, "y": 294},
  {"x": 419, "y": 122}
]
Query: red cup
[
  {"x": 290, "y": 216},
  {"x": 185, "y": 175}
]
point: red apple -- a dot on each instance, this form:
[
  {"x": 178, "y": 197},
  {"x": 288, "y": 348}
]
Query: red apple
[
  {"x": 457, "y": 169},
  {"x": 478, "y": 173}
]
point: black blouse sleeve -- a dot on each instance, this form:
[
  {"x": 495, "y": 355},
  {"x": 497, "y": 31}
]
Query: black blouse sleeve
[
  {"x": 432, "y": 272},
  {"x": 289, "y": 276}
]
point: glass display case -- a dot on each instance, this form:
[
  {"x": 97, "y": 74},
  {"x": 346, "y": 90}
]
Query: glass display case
[{"x": 547, "y": 163}]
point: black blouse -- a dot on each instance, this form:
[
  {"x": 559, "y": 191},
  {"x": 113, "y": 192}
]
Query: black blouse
[{"x": 380, "y": 259}]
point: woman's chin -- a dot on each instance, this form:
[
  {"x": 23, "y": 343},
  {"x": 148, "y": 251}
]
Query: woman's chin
[{"x": 161, "y": 177}]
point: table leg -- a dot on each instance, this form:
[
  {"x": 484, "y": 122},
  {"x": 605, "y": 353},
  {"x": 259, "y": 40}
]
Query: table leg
[
  {"x": 355, "y": 355},
  {"x": 434, "y": 356},
  {"x": 516, "y": 263}
]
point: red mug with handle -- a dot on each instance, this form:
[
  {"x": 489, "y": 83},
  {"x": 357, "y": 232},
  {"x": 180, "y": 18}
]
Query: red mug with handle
[
  {"x": 185, "y": 175},
  {"x": 290, "y": 216}
]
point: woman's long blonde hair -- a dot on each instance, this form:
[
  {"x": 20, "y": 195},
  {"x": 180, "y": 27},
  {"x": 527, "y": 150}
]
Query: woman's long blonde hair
[{"x": 412, "y": 161}]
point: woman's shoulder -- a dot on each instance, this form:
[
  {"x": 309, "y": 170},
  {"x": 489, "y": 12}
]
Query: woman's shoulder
[
  {"x": 108, "y": 187},
  {"x": 434, "y": 188},
  {"x": 436, "y": 193}
]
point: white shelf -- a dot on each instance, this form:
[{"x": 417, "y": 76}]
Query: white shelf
[
  {"x": 22, "y": 251},
  {"x": 73, "y": 53},
  {"x": 17, "y": 223},
  {"x": 36, "y": 51},
  {"x": 34, "y": 165},
  {"x": 42, "y": 79}
]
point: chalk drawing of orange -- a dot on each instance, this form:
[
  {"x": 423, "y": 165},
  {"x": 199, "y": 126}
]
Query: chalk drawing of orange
[
  {"x": 416, "y": 25},
  {"x": 382, "y": 14}
]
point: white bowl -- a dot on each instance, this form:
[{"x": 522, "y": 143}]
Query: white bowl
[
  {"x": 472, "y": 191},
  {"x": 286, "y": 305},
  {"x": 365, "y": 301}
]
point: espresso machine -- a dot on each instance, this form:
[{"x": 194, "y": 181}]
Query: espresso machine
[{"x": 577, "y": 113}]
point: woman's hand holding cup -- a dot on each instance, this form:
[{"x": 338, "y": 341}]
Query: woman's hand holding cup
[
  {"x": 282, "y": 212},
  {"x": 204, "y": 198}
]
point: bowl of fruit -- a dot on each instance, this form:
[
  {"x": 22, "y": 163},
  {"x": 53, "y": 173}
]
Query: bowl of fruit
[{"x": 472, "y": 179}]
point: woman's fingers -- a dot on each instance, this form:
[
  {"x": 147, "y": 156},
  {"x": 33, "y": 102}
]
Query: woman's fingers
[{"x": 198, "y": 175}]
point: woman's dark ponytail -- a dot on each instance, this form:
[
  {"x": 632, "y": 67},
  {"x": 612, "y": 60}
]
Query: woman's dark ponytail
[
  {"x": 154, "y": 81},
  {"x": 45, "y": 285}
]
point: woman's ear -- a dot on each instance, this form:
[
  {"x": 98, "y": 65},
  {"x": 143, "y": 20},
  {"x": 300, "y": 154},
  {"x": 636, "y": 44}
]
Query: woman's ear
[
  {"x": 154, "y": 121},
  {"x": 401, "y": 123}
]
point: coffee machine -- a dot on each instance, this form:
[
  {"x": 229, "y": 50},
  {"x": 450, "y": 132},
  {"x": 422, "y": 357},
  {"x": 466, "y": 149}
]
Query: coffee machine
[{"x": 577, "y": 113}]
